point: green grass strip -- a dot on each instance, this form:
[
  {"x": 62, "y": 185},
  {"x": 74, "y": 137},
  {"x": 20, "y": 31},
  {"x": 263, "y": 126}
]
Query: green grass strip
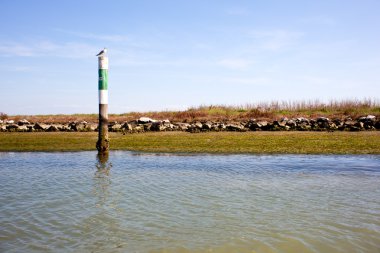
[{"x": 212, "y": 142}]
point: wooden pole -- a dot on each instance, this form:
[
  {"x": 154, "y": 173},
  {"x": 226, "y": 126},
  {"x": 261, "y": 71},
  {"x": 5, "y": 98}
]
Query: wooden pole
[{"x": 103, "y": 141}]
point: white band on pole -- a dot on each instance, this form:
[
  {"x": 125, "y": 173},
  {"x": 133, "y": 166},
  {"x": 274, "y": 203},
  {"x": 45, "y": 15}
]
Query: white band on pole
[
  {"x": 103, "y": 62},
  {"x": 103, "y": 97}
]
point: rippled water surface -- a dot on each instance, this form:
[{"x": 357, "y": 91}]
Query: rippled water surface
[{"x": 72, "y": 202}]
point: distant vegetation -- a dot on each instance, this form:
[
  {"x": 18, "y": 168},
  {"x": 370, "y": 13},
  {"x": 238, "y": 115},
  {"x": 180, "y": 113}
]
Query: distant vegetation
[
  {"x": 267, "y": 111},
  {"x": 3, "y": 116}
]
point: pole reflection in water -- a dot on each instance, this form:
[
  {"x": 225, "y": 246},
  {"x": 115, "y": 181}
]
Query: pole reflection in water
[
  {"x": 102, "y": 178},
  {"x": 102, "y": 165},
  {"x": 102, "y": 226}
]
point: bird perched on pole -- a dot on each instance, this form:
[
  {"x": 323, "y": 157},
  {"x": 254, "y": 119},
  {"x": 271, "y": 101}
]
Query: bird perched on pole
[{"x": 103, "y": 52}]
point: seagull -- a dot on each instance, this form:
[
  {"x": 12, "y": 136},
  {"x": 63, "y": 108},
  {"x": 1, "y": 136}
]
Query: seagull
[{"x": 101, "y": 53}]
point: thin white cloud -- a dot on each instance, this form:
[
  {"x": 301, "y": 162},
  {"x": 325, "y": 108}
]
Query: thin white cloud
[
  {"x": 248, "y": 81},
  {"x": 314, "y": 80},
  {"x": 238, "y": 64},
  {"x": 134, "y": 61},
  {"x": 16, "y": 49},
  {"x": 319, "y": 20},
  {"x": 22, "y": 69},
  {"x": 48, "y": 48},
  {"x": 275, "y": 39},
  {"x": 97, "y": 36}
]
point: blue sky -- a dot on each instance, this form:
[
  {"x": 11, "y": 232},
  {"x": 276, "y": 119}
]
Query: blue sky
[{"x": 170, "y": 55}]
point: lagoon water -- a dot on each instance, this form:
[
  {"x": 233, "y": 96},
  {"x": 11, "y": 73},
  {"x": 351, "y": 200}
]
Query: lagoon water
[{"x": 139, "y": 202}]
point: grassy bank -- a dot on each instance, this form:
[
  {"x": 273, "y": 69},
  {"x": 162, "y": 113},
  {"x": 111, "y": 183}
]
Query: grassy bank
[
  {"x": 212, "y": 142},
  {"x": 265, "y": 111}
]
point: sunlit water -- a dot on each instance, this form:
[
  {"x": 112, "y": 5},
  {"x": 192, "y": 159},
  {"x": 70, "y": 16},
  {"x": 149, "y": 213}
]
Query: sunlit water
[{"x": 134, "y": 202}]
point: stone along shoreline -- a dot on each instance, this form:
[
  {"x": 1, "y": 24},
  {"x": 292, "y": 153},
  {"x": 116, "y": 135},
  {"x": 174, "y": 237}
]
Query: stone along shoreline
[{"x": 145, "y": 124}]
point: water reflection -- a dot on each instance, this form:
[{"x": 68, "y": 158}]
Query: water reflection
[
  {"x": 102, "y": 178},
  {"x": 74, "y": 202},
  {"x": 103, "y": 166}
]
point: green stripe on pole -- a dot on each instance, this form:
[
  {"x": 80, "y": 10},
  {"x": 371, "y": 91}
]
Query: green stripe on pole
[{"x": 103, "y": 79}]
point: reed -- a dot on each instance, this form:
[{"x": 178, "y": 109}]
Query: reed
[{"x": 273, "y": 110}]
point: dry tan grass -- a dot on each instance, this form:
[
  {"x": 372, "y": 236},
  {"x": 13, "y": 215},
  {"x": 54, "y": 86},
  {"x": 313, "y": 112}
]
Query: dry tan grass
[{"x": 267, "y": 111}]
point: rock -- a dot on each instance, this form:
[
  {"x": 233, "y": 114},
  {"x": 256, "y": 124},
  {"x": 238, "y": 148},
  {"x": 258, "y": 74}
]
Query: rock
[
  {"x": 252, "y": 125},
  {"x": 273, "y": 127},
  {"x": 198, "y": 125},
  {"x": 354, "y": 128},
  {"x": 349, "y": 123},
  {"x": 92, "y": 126},
  {"x": 53, "y": 128},
  {"x": 23, "y": 122},
  {"x": 304, "y": 126},
  {"x": 359, "y": 125},
  {"x": 72, "y": 126},
  {"x": 41, "y": 126},
  {"x": 126, "y": 126},
  {"x": 195, "y": 127},
  {"x": 302, "y": 120},
  {"x": 234, "y": 127},
  {"x": 377, "y": 124},
  {"x": 147, "y": 126},
  {"x": 80, "y": 127},
  {"x": 279, "y": 123},
  {"x": 322, "y": 123},
  {"x": 369, "y": 121},
  {"x": 371, "y": 117},
  {"x": 183, "y": 126},
  {"x": 175, "y": 127},
  {"x": 255, "y": 126},
  {"x": 138, "y": 128},
  {"x": 291, "y": 123},
  {"x": 322, "y": 119},
  {"x": 115, "y": 128},
  {"x": 337, "y": 122},
  {"x": 332, "y": 126},
  {"x": 144, "y": 120},
  {"x": 262, "y": 123},
  {"x": 158, "y": 126},
  {"x": 215, "y": 127},
  {"x": 207, "y": 125},
  {"x": 63, "y": 127},
  {"x": 222, "y": 126},
  {"x": 111, "y": 123},
  {"x": 12, "y": 127},
  {"x": 22, "y": 128}
]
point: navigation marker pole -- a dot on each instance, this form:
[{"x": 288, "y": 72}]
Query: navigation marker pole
[{"x": 103, "y": 141}]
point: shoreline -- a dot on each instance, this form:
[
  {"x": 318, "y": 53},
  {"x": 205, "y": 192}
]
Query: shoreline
[
  {"x": 145, "y": 124},
  {"x": 281, "y": 142}
]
